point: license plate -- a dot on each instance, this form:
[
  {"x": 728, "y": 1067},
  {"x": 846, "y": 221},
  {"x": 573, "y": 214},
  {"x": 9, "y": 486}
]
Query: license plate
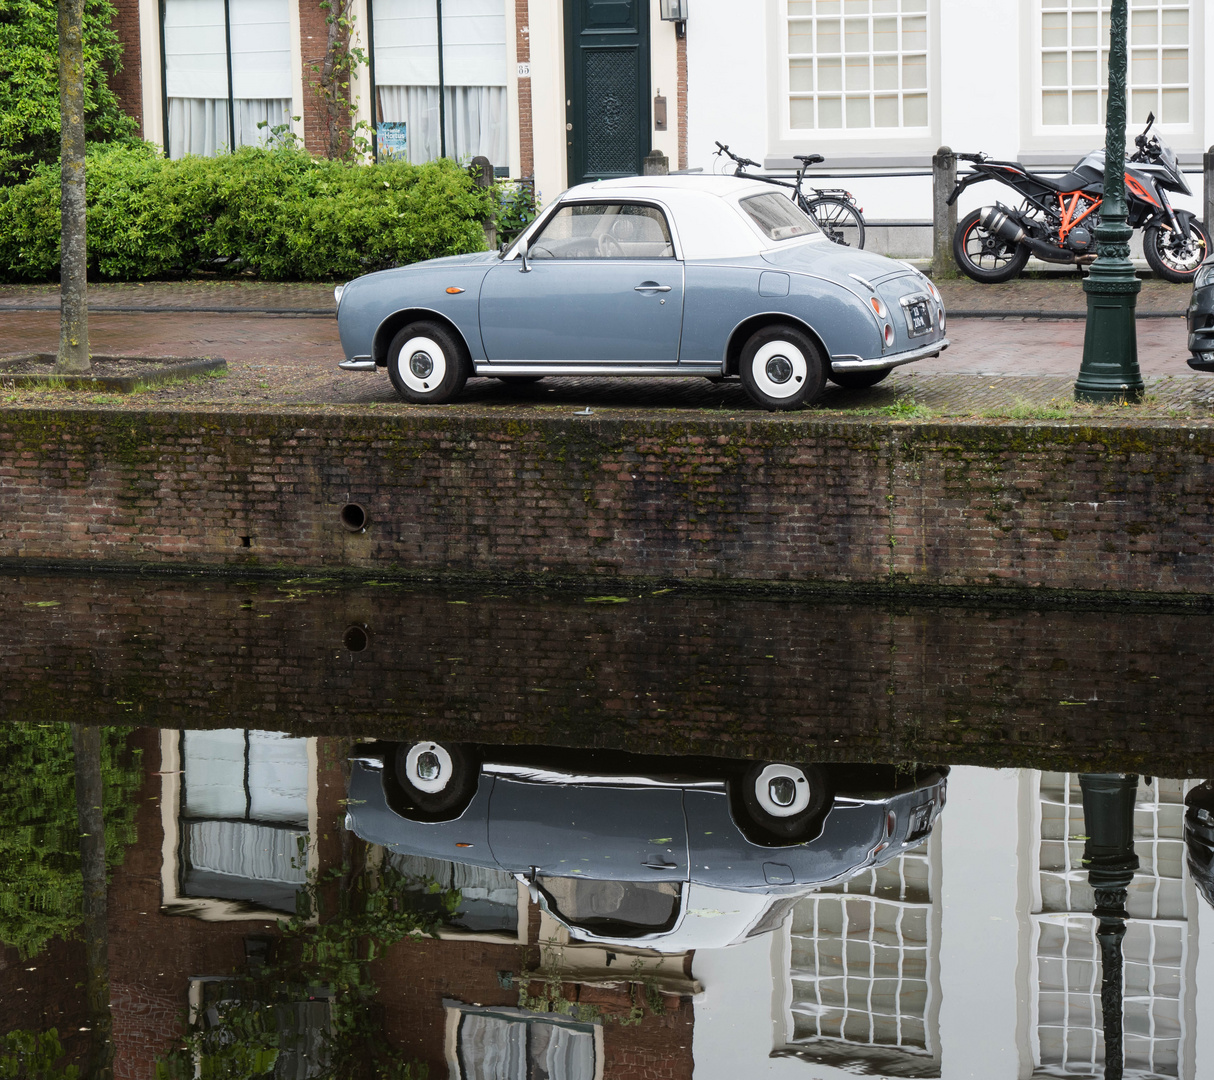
[{"x": 918, "y": 317}]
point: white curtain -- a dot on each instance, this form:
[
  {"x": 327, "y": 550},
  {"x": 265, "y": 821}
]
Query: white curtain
[
  {"x": 214, "y": 766},
  {"x": 196, "y": 72},
  {"x": 476, "y": 121},
  {"x": 494, "y": 1048},
  {"x": 474, "y": 76},
  {"x": 244, "y": 850}
]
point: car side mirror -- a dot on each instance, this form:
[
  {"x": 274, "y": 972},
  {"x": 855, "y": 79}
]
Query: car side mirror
[{"x": 526, "y": 268}]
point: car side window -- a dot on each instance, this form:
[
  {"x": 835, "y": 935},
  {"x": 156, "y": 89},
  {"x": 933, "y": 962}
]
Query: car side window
[{"x": 604, "y": 231}]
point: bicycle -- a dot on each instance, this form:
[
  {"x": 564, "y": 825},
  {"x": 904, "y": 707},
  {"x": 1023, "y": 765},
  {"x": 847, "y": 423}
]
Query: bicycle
[{"x": 834, "y": 210}]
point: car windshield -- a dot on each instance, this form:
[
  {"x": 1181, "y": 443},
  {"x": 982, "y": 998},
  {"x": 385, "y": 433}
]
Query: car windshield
[
  {"x": 778, "y": 217},
  {"x": 613, "y": 908}
]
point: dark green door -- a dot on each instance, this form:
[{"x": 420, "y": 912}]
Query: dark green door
[{"x": 607, "y": 86}]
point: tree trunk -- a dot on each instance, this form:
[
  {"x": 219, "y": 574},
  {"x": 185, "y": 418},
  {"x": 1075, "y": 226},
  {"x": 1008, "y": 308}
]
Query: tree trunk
[
  {"x": 86, "y": 743},
  {"x": 74, "y": 316}
]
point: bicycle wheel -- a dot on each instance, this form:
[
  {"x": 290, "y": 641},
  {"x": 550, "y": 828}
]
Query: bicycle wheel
[{"x": 838, "y": 219}]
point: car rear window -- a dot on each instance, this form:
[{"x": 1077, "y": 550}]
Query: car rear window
[{"x": 778, "y": 217}]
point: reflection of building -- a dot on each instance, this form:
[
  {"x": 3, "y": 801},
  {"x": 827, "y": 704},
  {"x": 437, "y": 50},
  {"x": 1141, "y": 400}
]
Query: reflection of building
[
  {"x": 978, "y": 958},
  {"x": 1159, "y": 946},
  {"x": 863, "y": 969}
]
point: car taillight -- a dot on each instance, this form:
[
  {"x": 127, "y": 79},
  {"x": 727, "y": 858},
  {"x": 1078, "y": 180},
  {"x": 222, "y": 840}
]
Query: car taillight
[
  {"x": 889, "y": 334},
  {"x": 942, "y": 320},
  {"x": 878, "y": 306}
]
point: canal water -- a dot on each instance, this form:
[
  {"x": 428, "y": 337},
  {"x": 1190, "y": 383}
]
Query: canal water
[{"x": 300, "y": 828}]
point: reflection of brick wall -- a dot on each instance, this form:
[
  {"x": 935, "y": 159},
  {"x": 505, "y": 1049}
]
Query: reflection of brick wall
[
  {"x": 153, "y": 956},
  {"x": 681, "y": 672},
  {"x": 127, "y": 83},
  {"x": 46, "y": 997}
]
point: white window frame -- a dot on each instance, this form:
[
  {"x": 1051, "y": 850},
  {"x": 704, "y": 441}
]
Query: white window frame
[
  {"x": 786, "y": 140},
  {"x": 1080, "y": 138}
]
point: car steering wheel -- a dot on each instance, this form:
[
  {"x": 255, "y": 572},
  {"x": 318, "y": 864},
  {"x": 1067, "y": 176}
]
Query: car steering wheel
[{"x": 609, "y": 247}]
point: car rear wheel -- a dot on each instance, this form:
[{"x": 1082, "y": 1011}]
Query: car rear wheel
[
  {"x": 782, "y": 802},
  {"x": 781, "y": 368},
  {"x": 427, "y": 364},
  {"x": 437, "y": 780}
]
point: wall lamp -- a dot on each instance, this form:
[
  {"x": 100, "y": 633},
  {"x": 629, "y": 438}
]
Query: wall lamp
[{"x": 675, "y": 11}]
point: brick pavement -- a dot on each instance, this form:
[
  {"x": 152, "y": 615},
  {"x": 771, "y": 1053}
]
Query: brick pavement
[{"x": 291, "y": 360}]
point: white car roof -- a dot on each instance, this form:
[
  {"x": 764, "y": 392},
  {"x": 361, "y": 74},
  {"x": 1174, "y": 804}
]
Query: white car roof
[{"x": 707, "y": 218}]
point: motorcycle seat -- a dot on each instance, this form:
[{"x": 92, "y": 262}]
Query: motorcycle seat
[{"x": 1073, "y": 181}]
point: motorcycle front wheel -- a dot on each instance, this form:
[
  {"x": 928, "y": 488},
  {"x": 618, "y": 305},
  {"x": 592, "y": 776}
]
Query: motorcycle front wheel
[
  {"x": 983, "y": 257},
  {"x": 1173, "y": 258}
]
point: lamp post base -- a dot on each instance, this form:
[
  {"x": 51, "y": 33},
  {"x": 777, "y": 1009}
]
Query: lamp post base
[{"x": 1109, "y": 372}]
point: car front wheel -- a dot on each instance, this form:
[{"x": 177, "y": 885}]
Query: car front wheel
[
  {"x": 427, "y": 364},
  {"x": 781, "y": 368}
]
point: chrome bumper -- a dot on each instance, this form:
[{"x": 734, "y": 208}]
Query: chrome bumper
[
  {"x": 881, "y": 363},
  {"x": 359, "y": 363}
]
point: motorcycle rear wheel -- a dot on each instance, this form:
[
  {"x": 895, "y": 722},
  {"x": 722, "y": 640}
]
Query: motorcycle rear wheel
[
  {"x": 1172, "y": 259},
  {"x": 983, "y": 257}
]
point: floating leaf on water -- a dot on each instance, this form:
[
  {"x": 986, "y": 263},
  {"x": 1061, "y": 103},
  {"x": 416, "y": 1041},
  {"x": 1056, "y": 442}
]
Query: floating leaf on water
[
  {"x": 662, "y": 840},
  {"x": 41, "y": 603},
  {"x": 607, "y": 599}
]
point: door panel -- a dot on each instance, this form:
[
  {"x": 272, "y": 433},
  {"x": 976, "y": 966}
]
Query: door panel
[
  {"x": 605, "y": 833},
  {"x": 607, "y": 83},
  {"x": 583, "y": 311}
]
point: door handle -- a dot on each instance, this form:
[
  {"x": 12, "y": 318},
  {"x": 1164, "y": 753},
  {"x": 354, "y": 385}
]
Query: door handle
[
  {"x": 651, "y": 287},
  {"x": 658, "y": 864}
]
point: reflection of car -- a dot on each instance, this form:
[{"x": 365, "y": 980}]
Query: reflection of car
[
  {"x": 1199, "y": 837},
  {"x": 686, "y": 852},
  {"x": 667, "y": 276},
  {"x": 1200, "y": 317}
]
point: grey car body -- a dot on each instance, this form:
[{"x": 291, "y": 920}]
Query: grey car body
[
  {"x": 672, "y": 276},
  {"x": 648, "y": 830}
]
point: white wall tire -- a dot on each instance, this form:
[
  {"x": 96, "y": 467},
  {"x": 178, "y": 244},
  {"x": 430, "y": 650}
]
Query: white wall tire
[
  {"x": 427, "y": 364},
  {"x": 783, "y": 791},
  {"x": 781, "y": 368}
]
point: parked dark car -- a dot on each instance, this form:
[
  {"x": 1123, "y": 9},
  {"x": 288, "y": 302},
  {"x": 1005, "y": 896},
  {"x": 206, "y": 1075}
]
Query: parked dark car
[
  {"x": 667, "y": 853},
  {"x": 1201, "y": 318},
  {"x": 1199, "y": 838}
]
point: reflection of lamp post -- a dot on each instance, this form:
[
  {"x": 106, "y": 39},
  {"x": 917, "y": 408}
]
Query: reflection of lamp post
[
  {"x": 1108, "y": 853},
  {"x": 1109, "y": 371}
]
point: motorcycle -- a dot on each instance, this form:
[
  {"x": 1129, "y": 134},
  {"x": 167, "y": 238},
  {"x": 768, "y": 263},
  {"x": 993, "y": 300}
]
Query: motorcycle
[{"x": 1057, "y": 219}]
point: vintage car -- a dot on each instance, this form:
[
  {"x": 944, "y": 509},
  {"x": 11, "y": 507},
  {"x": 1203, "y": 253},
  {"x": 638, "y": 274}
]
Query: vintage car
[
  {"x": 660, "y": 853},
  {"x": 708, "y": 276}
]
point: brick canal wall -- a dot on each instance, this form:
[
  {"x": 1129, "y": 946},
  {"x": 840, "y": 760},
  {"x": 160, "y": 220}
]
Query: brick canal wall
[{"x": 796, "y": 500}]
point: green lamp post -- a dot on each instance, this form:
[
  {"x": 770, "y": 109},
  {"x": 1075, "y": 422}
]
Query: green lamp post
[{"x": 1109, "y": 371}]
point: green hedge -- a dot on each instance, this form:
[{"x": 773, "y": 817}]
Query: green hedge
[{"x": 279, "y": 214}]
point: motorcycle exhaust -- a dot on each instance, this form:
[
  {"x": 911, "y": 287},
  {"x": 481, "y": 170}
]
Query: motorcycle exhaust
[{"x": 998, "y": 222}]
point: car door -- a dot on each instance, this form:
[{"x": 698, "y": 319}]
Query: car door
[
  {"x": 594, "y": 831},
  {"x": 600, "y": 285}
]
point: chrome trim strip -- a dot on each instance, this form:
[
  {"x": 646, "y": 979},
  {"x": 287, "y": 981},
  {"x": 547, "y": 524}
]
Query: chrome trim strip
[
  {"x": 893, "y": 361},
  {"x": 521, "y": 367},
  {"x": 359, "y": 363},
  {"x": 530, "y": 775}
]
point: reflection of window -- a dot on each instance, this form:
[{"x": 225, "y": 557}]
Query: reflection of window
[
  {"x": 489, "y": 898},
  {"x": 244, "y": 816},
  {"x": 1067, "y": 1020},
  {"x": 1075, "y": 61},
  {"x": 614, "y": 908},
  {"x": 606, "y": 231},
  {"x": 454, "y": 105},
  {"x": 202, "y": 105},
  {"x": 864, "y": 981},
  {"x": 510, "y": 1044},
  {"x": 857, "y": 64}
]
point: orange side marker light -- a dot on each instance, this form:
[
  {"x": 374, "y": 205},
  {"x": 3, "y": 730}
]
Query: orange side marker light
[{"x": 453, "y": 289}]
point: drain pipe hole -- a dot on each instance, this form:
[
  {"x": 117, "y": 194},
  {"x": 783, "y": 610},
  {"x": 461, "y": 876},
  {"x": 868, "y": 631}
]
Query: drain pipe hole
[
  {"x": 356, "y": 638},
  {"x": 353, "y": 518}
]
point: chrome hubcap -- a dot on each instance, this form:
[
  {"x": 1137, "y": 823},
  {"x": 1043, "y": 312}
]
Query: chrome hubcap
[
  {"x": 428, "y": 766},
  {"x": 421, "y": 364},
  {"x": 779, "y": 369},
  {"x": 783, "y": 791}
]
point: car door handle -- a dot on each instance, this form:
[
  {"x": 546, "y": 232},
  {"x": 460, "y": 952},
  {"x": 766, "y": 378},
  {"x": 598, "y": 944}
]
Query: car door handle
[
  {"x": 651, "y": 286},
  {"x": 658, "y": 864}
]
